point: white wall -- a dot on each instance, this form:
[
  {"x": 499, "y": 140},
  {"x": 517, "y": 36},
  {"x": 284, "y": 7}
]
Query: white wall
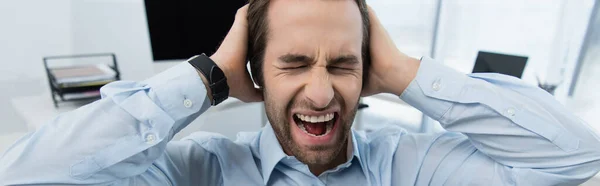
[
  {"x": 115, "y": 26},
  {"x": 409, "y": 23},
  {"x": 567, "y": 45},
  {"x": 29, "y": 30},
  {"x": 549, "y": 32},
  {"x": 515, "y": 27}
]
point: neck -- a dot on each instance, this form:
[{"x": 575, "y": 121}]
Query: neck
[{"x": 339, "y": 159}]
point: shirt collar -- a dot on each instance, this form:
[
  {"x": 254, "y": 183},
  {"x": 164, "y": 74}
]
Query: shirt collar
[{"x": 271, "y": 152}]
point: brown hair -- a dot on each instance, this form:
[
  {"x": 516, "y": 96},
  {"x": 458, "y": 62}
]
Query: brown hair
[{"x": 258, "y": 30}]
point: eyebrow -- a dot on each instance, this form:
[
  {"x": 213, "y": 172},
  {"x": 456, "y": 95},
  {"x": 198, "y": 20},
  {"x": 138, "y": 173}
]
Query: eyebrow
[
  {"x": 300, "y": 58},
  {"x": 348, "y": 59},
  {"x": 296, "y": 58}
]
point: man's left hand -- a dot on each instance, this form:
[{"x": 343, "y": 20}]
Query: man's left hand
[{"x": 231, "y": 58}]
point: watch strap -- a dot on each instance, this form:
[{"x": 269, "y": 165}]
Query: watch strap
[{"x": 215, "y": 76}]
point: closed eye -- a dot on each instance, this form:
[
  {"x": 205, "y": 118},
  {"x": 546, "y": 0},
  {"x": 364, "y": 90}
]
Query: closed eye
[
  {"x": 294, "y": 62},
  {"x": 293, "y": 68},
  {"x": 343, "y": 64},
  {"x": 340, "y": 70}
]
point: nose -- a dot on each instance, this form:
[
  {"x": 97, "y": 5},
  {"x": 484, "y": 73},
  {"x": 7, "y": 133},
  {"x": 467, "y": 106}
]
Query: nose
[{"x": 319, "y": 90}]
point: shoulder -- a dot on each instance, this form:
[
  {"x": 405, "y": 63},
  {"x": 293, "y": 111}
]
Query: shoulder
[
  {"x": 391, "y": 138},
  {"x": 220, "y": 145},
  {"x": 396, "y": 133},
  {"x": 393, "y": 145},
  {"x": 381, "y": 134}
]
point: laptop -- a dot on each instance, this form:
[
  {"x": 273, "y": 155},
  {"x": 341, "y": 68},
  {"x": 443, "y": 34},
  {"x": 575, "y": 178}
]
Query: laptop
[{"x": 511, "y": 65}]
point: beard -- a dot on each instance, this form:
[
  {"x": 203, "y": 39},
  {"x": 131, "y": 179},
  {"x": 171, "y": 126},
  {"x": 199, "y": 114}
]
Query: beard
[{"x": 313, "y": 155}]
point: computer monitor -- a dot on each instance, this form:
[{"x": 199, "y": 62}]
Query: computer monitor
[
  {"x": 180, "y": 29},
  {"x": 511, "y": 65}
]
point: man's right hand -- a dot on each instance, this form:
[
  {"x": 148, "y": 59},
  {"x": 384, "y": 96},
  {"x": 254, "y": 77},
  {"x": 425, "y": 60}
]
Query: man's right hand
[
  {"x": 391, "y": 70},
  {"x": 231, "y": 58}
]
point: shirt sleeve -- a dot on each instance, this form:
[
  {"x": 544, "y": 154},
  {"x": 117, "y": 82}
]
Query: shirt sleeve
[
  {"x": 114, "y": 138},
  {"x": 519, "y": 133}
]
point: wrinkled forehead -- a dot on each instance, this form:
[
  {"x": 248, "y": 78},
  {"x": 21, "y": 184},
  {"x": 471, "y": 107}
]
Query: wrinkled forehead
[{"x": 332, "y": 27}]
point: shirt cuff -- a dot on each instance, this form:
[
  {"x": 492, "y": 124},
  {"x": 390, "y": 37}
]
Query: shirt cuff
[
  {"x": 179, "y": 91},
  {"x": 434, "y": 80}
]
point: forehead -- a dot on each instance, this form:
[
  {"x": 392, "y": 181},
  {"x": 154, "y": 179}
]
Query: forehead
[{"x": 304, "y": 26}]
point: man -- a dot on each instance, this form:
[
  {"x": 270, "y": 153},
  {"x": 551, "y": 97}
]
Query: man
[{"x": 313, "y": 60}]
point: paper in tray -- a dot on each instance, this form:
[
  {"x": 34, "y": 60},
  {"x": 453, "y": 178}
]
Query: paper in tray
[{"x": 83, "y": 73}]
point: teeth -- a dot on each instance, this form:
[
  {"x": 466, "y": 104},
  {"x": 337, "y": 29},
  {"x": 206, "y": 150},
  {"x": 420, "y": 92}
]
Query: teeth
[
  {"x": 315, "y": 119},
  {"x": 329, "y": 127},
  {"x": 302, "y": 127},
  {"x": 321, "y": 118}
]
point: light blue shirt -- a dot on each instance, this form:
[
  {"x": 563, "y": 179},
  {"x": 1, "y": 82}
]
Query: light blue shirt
[{"x": 499, "y": 131}]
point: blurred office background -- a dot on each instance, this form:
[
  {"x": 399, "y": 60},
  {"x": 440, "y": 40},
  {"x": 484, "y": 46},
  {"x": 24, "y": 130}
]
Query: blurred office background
[{"x": 560, "y": 38}]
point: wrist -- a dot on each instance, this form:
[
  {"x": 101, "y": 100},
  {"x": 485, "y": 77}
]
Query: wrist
[
  {"x": 212, "y": 76},
  {"x": 220, "y": 63},
  {"x": 401, "y": 75},
  {"x": 206, "y": 85}
]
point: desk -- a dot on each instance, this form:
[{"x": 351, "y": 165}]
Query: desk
[
  {"x": 39, "y": 109},
  {"x": 387, "y": 109}
]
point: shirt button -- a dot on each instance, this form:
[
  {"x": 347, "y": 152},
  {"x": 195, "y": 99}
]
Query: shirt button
[
  {"x": 510, "y": 112},
  {"x": 187, "y": 103},
  {"x": 150, "y": 138},
  {"x": 436, "y": 86}
]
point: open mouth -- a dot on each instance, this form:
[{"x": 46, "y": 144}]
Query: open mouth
[{"x": 316, "y": 126}]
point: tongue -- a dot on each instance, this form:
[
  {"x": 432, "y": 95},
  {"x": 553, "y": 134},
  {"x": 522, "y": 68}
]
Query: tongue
[{"x": 315, "y": 128}]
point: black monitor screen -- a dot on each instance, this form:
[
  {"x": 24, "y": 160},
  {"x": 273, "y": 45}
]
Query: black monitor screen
[
  {"x": 500, "y": 63},
  {"x": 184, "y": 28}
]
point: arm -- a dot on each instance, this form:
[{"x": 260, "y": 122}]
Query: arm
[
  {"x": 501, "y": 131},
  {"x": 515, "y": 133},
  {"x": 117, "y": 137},
  {"x": 124, "y": 137}
]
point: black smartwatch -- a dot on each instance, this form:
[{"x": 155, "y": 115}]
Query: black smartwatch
[{"x": 215, "y": 76}]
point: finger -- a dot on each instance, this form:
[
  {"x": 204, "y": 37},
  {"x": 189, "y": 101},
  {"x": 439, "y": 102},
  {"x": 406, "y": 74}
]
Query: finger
[
  {"x": 238, "y": 33},
  {"x": 235, "y": 43},
  {"x": 372, "y": 15},
  {"x": 236, "y": 37},
  {"x": 241, "y": 19},
  {"x": 241, "y": 16}
]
